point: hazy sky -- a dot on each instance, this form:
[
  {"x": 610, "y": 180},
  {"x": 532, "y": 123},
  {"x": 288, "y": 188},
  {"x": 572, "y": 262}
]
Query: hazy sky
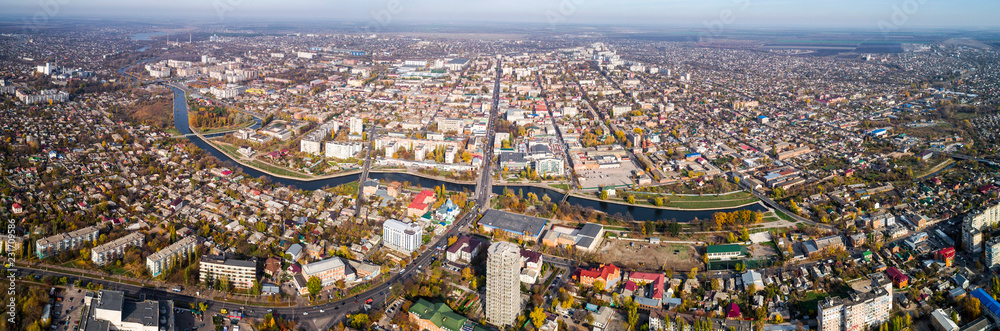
[{"x": 865, "y": 14}]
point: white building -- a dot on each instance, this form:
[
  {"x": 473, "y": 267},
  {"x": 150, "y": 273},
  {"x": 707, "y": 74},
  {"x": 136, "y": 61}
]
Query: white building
[
  {"x": 342, "y": 150},
  {"x": 972, "y": 225},
  {"x": 620, "y": 110},
  {"x": 157, "y": 262},
  {"x": 108, "y": 252},
  {"x": 402, "y": 236},
  {"x": 859, "y": 311},
  {"x": 503, "y": 283},
  {"x": 109, "y": 310},
  {"x": 42, "y": 96},
  {"x": 49, "y": 246},
  {"x": 356, "y": 125},
  {"x": 310, "y": 145},
  {"x": 239, "y": 273}
]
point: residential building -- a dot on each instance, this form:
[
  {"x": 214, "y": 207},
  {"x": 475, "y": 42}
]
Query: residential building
[
  {"x": 109, "y": 310},
  {"x": 163, "y": 259},
  {"x": 992, "y": 252},
  {"x": 859, "y": 311},
  {"x": 503, "y": 285},
  {"x": 974, "y": 223},
  {"x": 405, "y": 237},
  {"x": 356, "y": 125},
  {"x": 343, "y": 150},
  {"x": 531, "y": 266},
  {"x": 53, "y": 245},
  {"x": 108, "y": 252},
  {"x": 464, "y": 249},
  {"x": 435, "y": 317},
  {"x": 240, "y": 273},
  {"x": 899, "y": 279},
  {"x": 946, "y": 255}
]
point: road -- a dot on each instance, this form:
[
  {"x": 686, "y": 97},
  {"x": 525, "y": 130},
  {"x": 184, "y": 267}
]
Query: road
[
  {"x": 484, "y": 186},
  {"x": 364, "y": 171}
]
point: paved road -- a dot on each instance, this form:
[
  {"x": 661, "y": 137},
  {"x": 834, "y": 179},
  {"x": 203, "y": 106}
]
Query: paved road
[{"x": 364, "y": 171}]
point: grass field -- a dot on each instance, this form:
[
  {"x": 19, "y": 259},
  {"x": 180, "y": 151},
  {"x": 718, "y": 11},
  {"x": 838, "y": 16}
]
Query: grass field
[
  {"x": 563, "y": 187},
  {"x": 808, "y": 302},
  {"x": 707, "y": 201},
  {"x": 937, "y": 167},
  {"x": 229, "y": 149},
  {"x": 276, "y": 170}
]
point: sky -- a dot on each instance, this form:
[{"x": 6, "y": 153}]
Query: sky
[{"x": 861, "y": 14}]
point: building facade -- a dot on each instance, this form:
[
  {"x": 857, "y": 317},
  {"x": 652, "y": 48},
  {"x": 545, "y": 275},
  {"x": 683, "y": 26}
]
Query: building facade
[
  {"x": 157, "y": 262},
  {"x": 972, "y": 225},
  {"x": 404, "y": 237},
  {"x": 108, "y": 252},
  {"x": 859, "y": 311},
  {"x": 503, "y": 283},
  {"x": 239, "y": 273},
  {"x": 52, "y": 245}
]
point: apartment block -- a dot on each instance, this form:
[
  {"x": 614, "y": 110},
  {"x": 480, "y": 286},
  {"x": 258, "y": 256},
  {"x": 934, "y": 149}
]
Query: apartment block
[
  {"x": 860, "y": 310},
  {"x": 239, "y": 273},
  {"x": 108, "y": 252},
  {"x": 157, "y": 262},
  {"x": 52, "y": 245}
]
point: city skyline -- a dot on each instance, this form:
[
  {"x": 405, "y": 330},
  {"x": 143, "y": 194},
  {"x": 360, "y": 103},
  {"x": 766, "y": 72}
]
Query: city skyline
[{"x": 903, "y": 14}]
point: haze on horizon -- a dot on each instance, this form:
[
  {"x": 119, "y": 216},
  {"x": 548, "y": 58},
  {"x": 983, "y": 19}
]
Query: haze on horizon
[{"x": 861, "y": 14}]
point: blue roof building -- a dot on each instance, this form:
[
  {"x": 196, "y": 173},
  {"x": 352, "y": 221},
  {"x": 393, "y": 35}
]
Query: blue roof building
[{"x": 988, "y": 303}]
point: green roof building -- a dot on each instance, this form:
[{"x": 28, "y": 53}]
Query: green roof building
[
  {"x": 725, "y": 252},
  {"x": 435, "y": 317}
]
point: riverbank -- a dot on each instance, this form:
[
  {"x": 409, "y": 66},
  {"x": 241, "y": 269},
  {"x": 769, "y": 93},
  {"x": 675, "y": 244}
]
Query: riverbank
[{"x": 625, "y": 203}]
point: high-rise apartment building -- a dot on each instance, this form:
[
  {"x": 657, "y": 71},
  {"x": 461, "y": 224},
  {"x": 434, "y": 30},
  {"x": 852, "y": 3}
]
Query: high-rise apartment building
[
  {"x": 503, "y": 283},
  {"x": 974, "y": 223},
  {"x": 860, "y": 310}
]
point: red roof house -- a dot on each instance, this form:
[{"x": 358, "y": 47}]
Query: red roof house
[{"x": 609, "y": 274}]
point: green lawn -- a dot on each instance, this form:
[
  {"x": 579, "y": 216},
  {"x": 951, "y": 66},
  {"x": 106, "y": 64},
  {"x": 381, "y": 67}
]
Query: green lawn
[
  {"x": 710, "y": 204},
  {"x": 563, "y": 187},
  {"x": 784, "y": 216},
  {"x": 808, "y": 303},
  {"x": 277, "y": 170}
]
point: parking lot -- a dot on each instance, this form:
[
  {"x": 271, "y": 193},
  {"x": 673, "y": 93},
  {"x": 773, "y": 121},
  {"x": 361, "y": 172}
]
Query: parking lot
[{"x": 67, "y": 309}]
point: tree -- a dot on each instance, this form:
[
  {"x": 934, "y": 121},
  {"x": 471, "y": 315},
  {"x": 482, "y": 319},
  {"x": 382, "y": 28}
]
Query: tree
[
  {"x": 466, "y": 273},
  {"x": 632, "y": 313},
  {"x": 358, "y": 321},
  {"x": 452, "y": 240},
  {"x": 537, "y": 317},
  {"x": 693, "y": 273},
  {"x": 599, "y": 285},
  {"x": 314, "y": 285},
  {"x": 970, "y": 308},
  {"x": 603, "y": 195}
]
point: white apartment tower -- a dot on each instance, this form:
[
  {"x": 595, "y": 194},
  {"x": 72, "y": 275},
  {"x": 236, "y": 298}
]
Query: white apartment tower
[
  {"x": 503, "y": 283},
  {"x": 356, "y": 125},
  {"x": 859, "y": 311},
  {"x": 974, "y": 223}
]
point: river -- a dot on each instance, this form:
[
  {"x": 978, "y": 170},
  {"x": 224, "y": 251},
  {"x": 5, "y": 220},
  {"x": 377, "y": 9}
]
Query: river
[{"x": 636, "y": 212}]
